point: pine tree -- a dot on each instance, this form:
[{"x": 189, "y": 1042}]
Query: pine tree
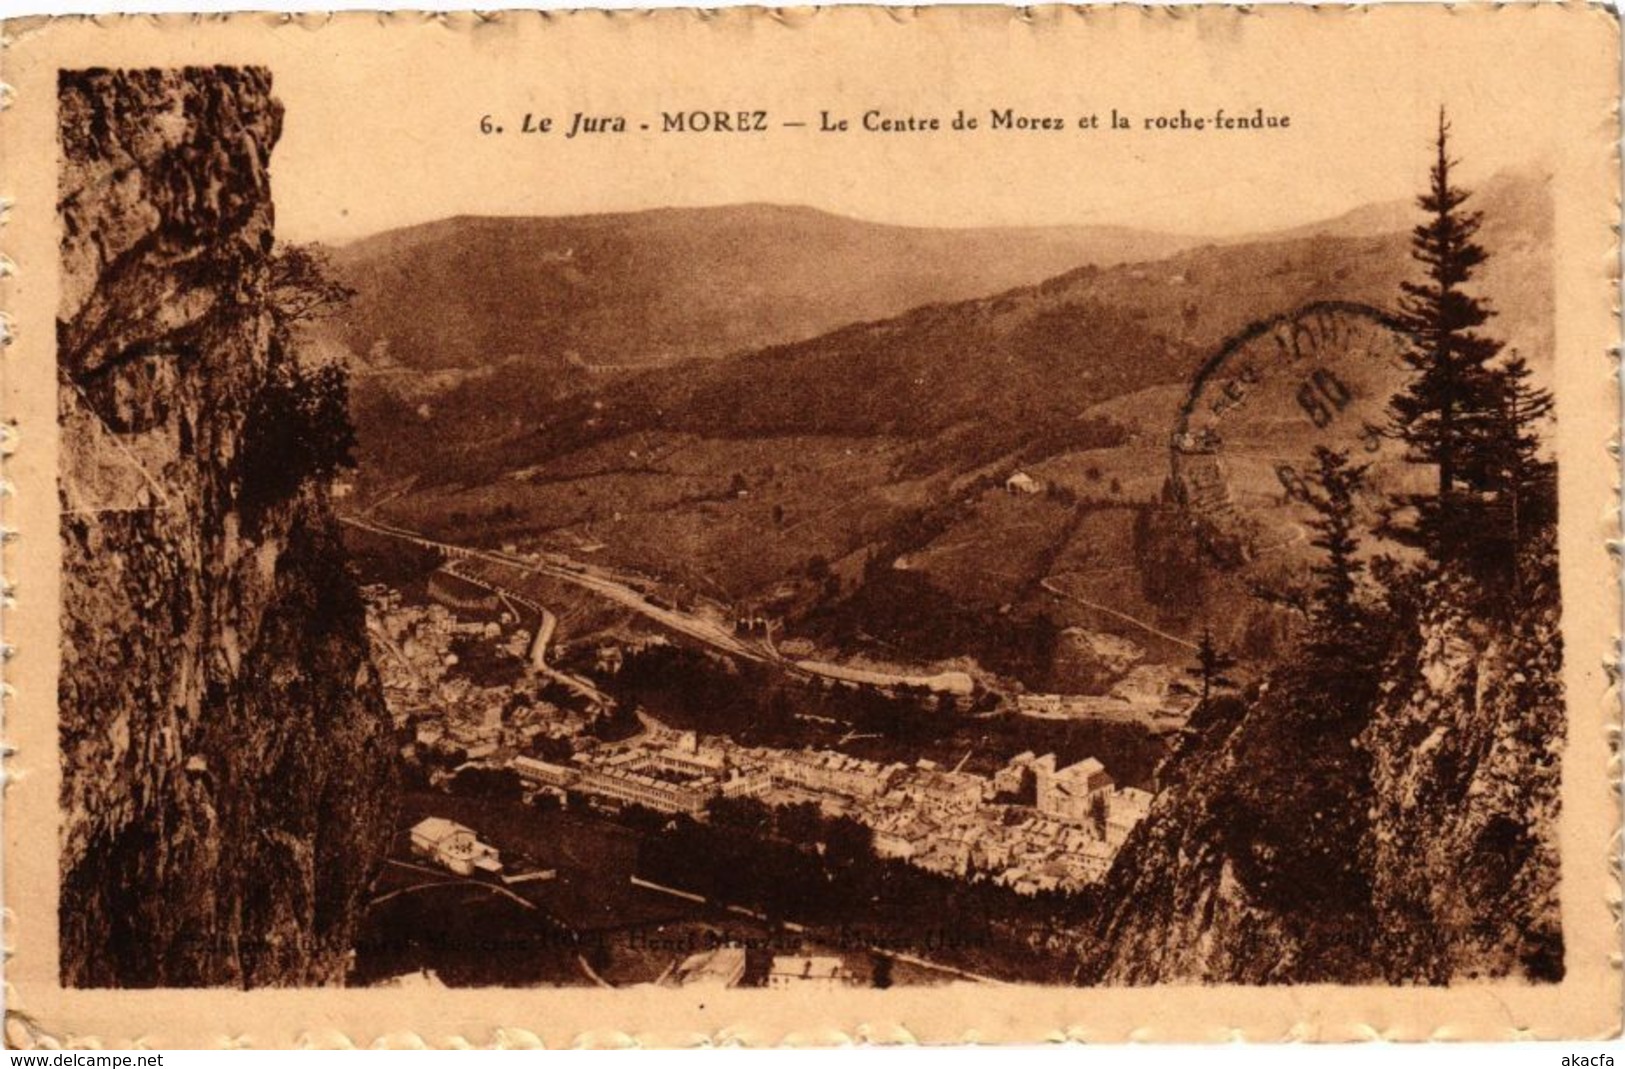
[
  {"x": 1334, "y": 610},
  {"x": 1345, "y": 646},
  {"x": 1443, "y": 414},
  {"x": 1211, "y": 664},
  {"x": 1524, "y": 479}
]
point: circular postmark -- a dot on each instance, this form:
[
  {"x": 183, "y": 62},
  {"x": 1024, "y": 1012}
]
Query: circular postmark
[{"x": 1243, "y": 444}]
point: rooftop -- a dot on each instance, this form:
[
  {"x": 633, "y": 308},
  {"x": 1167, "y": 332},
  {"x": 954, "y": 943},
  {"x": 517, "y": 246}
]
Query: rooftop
[{"x": 436, "y": 829}]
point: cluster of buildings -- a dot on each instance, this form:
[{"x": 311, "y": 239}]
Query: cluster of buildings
[
  {"x": 446, "y": 716},
  {"x": 1154, "y": 694},
  {"x": 821, "y": 772},
  {"x": 664, "y": 774},
  {"x": 1033, "y": 826}
]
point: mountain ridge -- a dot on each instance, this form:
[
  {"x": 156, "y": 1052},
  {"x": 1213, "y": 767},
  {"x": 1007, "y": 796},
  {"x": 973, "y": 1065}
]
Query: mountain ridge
[
  {"x": 628, "y": 289},
  {"x": 877, "y": 451}
]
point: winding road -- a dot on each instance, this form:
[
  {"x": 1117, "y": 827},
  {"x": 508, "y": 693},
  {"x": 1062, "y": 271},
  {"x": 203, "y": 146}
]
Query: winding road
[
  {"x": 563, "y": 569},
  {"x": 555, "y": 567}
]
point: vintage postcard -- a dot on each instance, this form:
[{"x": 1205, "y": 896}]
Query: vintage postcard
[{"x": 808, "y": 526}]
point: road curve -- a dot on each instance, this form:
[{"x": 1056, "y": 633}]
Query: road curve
[
  {"x": 694, "y": 627},
  {"x": 555, "y": 566}
]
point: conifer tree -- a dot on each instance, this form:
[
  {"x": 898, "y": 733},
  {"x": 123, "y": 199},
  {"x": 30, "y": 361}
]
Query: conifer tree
[
  {"x": 1344, "y": 646},
  {"x": 1334, "y": 608},
  {"x": 1211, "y": 664},
  {"x": 1525, "y": 480},
  {"x": 1444, "y": 413}
]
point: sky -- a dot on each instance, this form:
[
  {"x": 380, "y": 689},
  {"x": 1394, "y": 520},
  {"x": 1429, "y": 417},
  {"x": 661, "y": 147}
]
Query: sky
[{"x": 383, "y": 129}]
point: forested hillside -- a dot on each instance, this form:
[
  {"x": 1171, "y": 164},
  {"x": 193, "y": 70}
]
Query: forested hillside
[
  {"x": 1382, "y": 806},
  {"x": 864, "y": 468}
]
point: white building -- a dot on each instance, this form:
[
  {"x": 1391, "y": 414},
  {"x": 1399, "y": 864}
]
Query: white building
[
  {"x": 1070, "y": 793},
  {"x": 1126, "y": 808},
  {"x": 452, "y": 846},
  {"x": 536, "y": 773},
  {"x": 1022, "y": 483}
]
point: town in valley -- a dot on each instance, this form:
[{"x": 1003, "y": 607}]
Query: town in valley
[{"x": 511, "y": 730}]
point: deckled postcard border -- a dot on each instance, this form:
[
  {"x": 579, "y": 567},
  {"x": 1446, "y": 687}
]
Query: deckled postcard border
[{"x": 1583, "y": 45}]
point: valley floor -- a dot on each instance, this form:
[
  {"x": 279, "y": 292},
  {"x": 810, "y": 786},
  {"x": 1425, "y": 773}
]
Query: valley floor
[{"x": 611, "y": 888}]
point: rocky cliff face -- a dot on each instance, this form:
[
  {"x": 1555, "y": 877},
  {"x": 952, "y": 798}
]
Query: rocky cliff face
[
  {"x": 1411, "y": 839},
  {"x": 1247, "y": 869},
  {"x": 1466, "y": 754},
  {"x": 226, "y": 755}
]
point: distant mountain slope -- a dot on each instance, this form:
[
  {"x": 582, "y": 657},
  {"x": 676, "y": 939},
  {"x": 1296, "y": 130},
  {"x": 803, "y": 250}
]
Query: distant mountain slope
[
  {"x": 654, "y": 287},
  {"x": 846, "y": 475},
  {"x": 998, "y": 369}
]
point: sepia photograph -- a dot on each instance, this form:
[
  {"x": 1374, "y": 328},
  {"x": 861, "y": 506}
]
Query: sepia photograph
[{"x": 979, "y": 537}]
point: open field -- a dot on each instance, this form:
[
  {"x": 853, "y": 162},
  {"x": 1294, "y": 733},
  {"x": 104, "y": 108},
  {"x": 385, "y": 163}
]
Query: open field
[
  {"x": 992, "y": 555},
  {"x": 685, "y": 507}
]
